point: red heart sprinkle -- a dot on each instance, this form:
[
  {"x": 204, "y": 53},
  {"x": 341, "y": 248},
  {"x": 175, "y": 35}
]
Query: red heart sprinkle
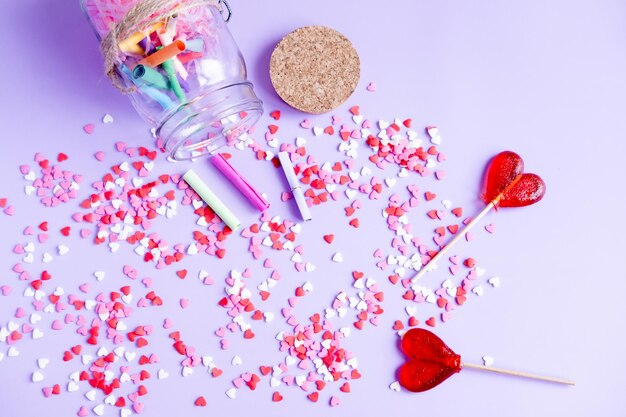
[
  {"x": 429, "y": 196},
  {"x": 200, "y": 402},
  {"x": 275, "y": 114}
]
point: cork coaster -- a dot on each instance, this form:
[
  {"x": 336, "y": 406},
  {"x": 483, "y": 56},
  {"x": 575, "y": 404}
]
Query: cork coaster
[{"x": 314, "y": 69}]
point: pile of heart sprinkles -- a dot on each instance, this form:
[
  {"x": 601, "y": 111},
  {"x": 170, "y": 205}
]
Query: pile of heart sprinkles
[{"x": 115, "y": 363}]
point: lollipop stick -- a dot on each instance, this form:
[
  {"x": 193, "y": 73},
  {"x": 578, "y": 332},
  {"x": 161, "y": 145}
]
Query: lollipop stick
[
  {"x": 520, "y": 374},
  {"x": 432, "y": 263}
]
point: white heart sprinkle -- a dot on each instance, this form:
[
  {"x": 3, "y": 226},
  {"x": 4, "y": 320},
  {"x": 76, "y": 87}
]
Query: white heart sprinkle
[
  {"x": 37, "y": 376},
  {"x": 488, "y": 360},
  {"x": 495, "y": 282},
  {"x": 231, "y": 393},
  {"x": 395, "y": 386}
]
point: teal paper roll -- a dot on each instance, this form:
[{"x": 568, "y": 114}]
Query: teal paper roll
[
  {"x": 151, "y": 77},
  {"x": 168, "y": 66},
  {"x": 161, "y": 98},
  {"x": 212, "y": 200}
]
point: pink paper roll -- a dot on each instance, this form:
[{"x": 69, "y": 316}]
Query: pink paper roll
[{"x": 239, "y": 182}]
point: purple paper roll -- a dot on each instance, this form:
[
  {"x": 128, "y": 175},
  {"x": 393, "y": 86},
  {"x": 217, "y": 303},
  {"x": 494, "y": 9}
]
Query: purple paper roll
[{"x": 239, "y": 182}]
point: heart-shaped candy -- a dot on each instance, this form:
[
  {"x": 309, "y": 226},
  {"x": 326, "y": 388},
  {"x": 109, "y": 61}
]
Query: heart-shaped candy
[
  {"x": 430, "y": 362},
  {"x": 506, "y": 184}
]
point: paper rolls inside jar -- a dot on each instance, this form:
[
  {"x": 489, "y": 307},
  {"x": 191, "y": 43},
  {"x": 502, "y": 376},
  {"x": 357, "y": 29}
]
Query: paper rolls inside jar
[
  {"x": 296, "y": 190},
  {"x": 239, "y": 182}
]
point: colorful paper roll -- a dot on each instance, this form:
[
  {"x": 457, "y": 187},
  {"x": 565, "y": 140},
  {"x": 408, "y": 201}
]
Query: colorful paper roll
[
  {"x": 163, "y": 54},
  {"x": 151, "y": 77},
  {"x": 130, "y": 44},
  {"x": 239, "y": 182},
  {"x": 168, "y": 66},
  {"x": 163, "y": 99},
  {"x": 212, "y": 200},
  {"x": 195, "y": 45},
  {"x": 296, "y": 190},
  {"x": 166, "y": 38}
]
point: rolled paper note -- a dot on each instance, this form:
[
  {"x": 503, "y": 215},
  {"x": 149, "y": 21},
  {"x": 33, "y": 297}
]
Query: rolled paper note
[
  {"x": 163, "y": 99},
  {"x": 151, "y": 77},
  {"x": 212, "y": 200},
  {"x": 163, "y": 54},
  {"x": 239, "y": 182},
  {"x": 195, "y": 45},
  {"x": 166, "y": 39},
  {"x": 168, "y": 66},
  {"x": 170, "y": 27},
  {"x": 189, "y": 56},
  {"x": 130, "y": 44},
  {"x": 296, "y": 190}
]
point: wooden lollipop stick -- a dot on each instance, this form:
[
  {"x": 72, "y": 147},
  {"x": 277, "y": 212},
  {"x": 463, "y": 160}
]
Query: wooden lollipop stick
[
  {"x": 432, "y": 263},
  {"x": 516, "y": 373}
]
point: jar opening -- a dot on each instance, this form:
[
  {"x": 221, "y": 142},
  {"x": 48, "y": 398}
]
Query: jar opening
[{"x": 213, "y": 119}]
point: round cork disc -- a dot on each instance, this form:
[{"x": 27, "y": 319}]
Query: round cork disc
[{"x": 314, "y": 69}]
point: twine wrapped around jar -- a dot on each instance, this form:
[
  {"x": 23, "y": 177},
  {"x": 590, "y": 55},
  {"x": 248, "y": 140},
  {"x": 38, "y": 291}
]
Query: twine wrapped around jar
[{"x": 142, "y": 15}]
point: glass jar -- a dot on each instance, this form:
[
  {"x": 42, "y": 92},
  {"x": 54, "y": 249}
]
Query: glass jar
[{"x": 181, "y": 67}]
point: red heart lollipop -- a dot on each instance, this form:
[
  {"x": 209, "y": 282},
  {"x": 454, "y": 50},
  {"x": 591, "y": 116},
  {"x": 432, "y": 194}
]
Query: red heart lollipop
[
  {"x": 431, "y": 361},
  {"x": 506, "y": 185}
]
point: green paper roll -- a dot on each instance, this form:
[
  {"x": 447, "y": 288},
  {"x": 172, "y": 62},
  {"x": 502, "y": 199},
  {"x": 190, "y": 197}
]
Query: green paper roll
[
  {"x": 168, "y": 66},
  {"x": 212, "y": 200},
  {"x": 151, "y": 77}
]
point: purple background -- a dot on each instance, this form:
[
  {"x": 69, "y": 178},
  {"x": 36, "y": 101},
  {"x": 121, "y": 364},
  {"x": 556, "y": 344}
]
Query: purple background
[{"x": 546, "y": 79}]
